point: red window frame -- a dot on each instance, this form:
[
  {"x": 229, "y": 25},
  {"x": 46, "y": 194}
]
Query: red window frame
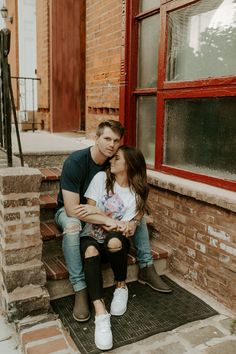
[{"x": 213, "y": 87}]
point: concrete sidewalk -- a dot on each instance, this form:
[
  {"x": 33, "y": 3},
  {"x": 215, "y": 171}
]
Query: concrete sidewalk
[
  {"x": 43, "y": 141},
  {"x": 9, "y": 339}
]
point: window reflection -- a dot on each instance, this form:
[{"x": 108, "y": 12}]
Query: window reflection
[
  {"x": 148, "y": 4},
  {"x": 202, "y": 41},
  {"x": 200, "y": 135},
  {"x": 146, "y": 127},
  {"x": 148, "y": 51}
]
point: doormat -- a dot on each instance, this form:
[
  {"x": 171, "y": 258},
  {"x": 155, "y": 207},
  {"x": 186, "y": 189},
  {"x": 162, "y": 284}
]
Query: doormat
[{"x": 149, "y": 312}]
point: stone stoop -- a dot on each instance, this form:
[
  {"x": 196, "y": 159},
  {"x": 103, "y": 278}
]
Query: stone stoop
[{"x": 58, "y": 284}]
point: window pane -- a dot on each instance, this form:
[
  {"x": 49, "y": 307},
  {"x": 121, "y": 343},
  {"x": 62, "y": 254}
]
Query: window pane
[
  {"x": 149, "y": 4},
  {"x": 202, "y": 41},
  {"x": 146, "y": 127},
  {"x": 148, "y": 48},
  {"x": 200, "y": 136}
]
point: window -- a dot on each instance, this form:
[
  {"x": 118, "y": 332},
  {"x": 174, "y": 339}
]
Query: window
[{"x": 181, "y": 95}]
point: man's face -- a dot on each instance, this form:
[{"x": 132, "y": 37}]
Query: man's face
[{"x": 108, "y": 142}]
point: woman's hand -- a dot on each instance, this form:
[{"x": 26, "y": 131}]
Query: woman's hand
[
  {"x": 129, "y": 228},
  {"x": 111, "y": 225}
]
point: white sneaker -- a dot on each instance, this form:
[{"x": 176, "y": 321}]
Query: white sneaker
[
  {"x": 103, "y": 335},
  {"x": 119, "y": 301}
]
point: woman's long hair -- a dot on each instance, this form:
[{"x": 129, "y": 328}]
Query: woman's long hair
[{"x": 137, "y": 176}]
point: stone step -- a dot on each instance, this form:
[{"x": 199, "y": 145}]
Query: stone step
[
  {"x": 49, "y": 230},
  {"x": 48, "y": 200},
  {"x": 50, "y": 174},
  {"x": 56, "y": 269},
  {"x": 58, "y": 284},
  {"x": 50, "y": 180}
]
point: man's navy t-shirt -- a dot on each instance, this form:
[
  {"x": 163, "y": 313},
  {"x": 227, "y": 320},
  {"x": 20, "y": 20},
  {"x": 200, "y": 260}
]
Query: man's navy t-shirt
[{"x": 78, "y": 171}]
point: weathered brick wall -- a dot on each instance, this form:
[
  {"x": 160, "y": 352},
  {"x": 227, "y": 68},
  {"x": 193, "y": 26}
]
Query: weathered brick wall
[
  {"x": 42, "y": 16},
  {"x": 22, "y": 277},
  {"x": 203, "y": 241},
  {"x": 13, "y": 27},
  {"x": 13, "y": 57},
  {"x": 103, "y": 53}
]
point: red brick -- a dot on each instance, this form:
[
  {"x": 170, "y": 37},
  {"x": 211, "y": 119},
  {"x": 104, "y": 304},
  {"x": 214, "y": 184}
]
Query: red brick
[
  {"x": 49, "y": 347},
  {"x": 40, "y": 333}
]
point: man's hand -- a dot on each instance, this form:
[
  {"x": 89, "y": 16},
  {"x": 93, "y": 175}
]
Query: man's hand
[{"x": 83, "y": 210}]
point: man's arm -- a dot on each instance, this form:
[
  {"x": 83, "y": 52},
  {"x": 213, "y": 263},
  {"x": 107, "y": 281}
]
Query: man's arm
[
  {"x": 91, "y": 214},
  {"x": 74, "y": 209},
  {"x": 71, "y": 201}
]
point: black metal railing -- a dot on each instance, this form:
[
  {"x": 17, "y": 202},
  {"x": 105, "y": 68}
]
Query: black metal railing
[
  {"x": 27, "y": 97},
  {"x": 7, "y": 106}
]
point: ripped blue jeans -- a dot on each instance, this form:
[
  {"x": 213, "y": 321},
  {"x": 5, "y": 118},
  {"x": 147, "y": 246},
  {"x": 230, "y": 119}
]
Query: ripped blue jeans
[{"x": 72, "y": 227}]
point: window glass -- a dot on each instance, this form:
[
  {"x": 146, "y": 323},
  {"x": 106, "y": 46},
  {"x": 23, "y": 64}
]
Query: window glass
[
  {"x": 146, "y": 127},
  {"x": 148, "y": 4},
  {"x": 200, "y": 136},
  {"x": 148, "y": 51},
  {"x": 202, "y": 41}
]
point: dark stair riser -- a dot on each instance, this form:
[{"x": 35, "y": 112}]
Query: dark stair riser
[{"x": 49, "y": 186}]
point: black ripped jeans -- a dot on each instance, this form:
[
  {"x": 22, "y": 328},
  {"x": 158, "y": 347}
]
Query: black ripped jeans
[{"x": 92, "y": 265}]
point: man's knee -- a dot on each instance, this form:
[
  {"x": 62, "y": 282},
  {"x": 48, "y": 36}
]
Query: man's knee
[
  {"x": 91, "y": 251},
  {"x": 72, "y": 228},
  {"x": 114, "y": 245}
]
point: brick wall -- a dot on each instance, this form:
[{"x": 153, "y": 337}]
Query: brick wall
[
  {"x": 42, "y": 15},
  {"x": 13, "y": 57},
  {"x": 22, "y": 276},
  {"x": 203, "y": 242},
  {"x": 13, "y": 27},
  {"x": 103, "y": 53}
]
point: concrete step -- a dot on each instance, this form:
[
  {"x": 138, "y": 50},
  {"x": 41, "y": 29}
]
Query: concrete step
[{"x": 40, "y": 159}]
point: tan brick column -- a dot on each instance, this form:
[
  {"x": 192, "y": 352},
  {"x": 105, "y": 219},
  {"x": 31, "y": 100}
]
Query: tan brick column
[{"x": 22, "y": 277}]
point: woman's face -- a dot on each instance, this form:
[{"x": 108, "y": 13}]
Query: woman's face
[{"x": 118, "y": 164}]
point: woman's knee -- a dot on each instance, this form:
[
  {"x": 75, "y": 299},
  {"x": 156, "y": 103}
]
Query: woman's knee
[
  {"x": 114, "y": 245},
  {"x": 91, "y": 251}
]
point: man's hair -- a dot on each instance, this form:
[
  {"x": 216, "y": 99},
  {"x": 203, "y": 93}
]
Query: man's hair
[{"x": 114, "y": 125}]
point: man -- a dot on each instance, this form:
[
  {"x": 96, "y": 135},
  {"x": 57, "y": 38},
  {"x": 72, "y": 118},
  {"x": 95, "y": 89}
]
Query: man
[{"x": 78, "y": 170}]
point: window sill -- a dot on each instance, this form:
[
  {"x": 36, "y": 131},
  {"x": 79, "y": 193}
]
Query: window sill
[{"x": 200, "y": 191}]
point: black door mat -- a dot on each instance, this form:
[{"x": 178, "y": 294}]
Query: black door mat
[{"x": 148, "y": 313}]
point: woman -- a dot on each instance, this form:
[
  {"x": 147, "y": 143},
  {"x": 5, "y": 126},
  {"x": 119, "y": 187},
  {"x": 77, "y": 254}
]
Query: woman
[{"x": 115, "y": 199}]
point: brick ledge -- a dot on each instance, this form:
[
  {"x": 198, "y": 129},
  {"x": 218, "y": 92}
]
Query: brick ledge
[{"x": 200, "y": 191}]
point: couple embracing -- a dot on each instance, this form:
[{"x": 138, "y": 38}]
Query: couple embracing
[{"x": 102, "y": 199}]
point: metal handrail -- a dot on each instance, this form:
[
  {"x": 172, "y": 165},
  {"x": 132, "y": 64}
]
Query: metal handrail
[{"x": 24, "y": 104}]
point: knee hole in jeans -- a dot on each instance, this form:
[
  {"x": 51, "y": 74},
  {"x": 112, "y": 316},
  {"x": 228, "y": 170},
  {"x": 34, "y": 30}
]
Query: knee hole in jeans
[
  {"x": 91, "y": 251},
  {"x": 114, "y": 245},
  {"x": 72, "y": 228}
]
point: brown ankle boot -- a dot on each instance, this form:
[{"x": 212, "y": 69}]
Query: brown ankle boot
[
  {"x": 81, "y": 308},
  {"x": 149, "y": 276}
]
